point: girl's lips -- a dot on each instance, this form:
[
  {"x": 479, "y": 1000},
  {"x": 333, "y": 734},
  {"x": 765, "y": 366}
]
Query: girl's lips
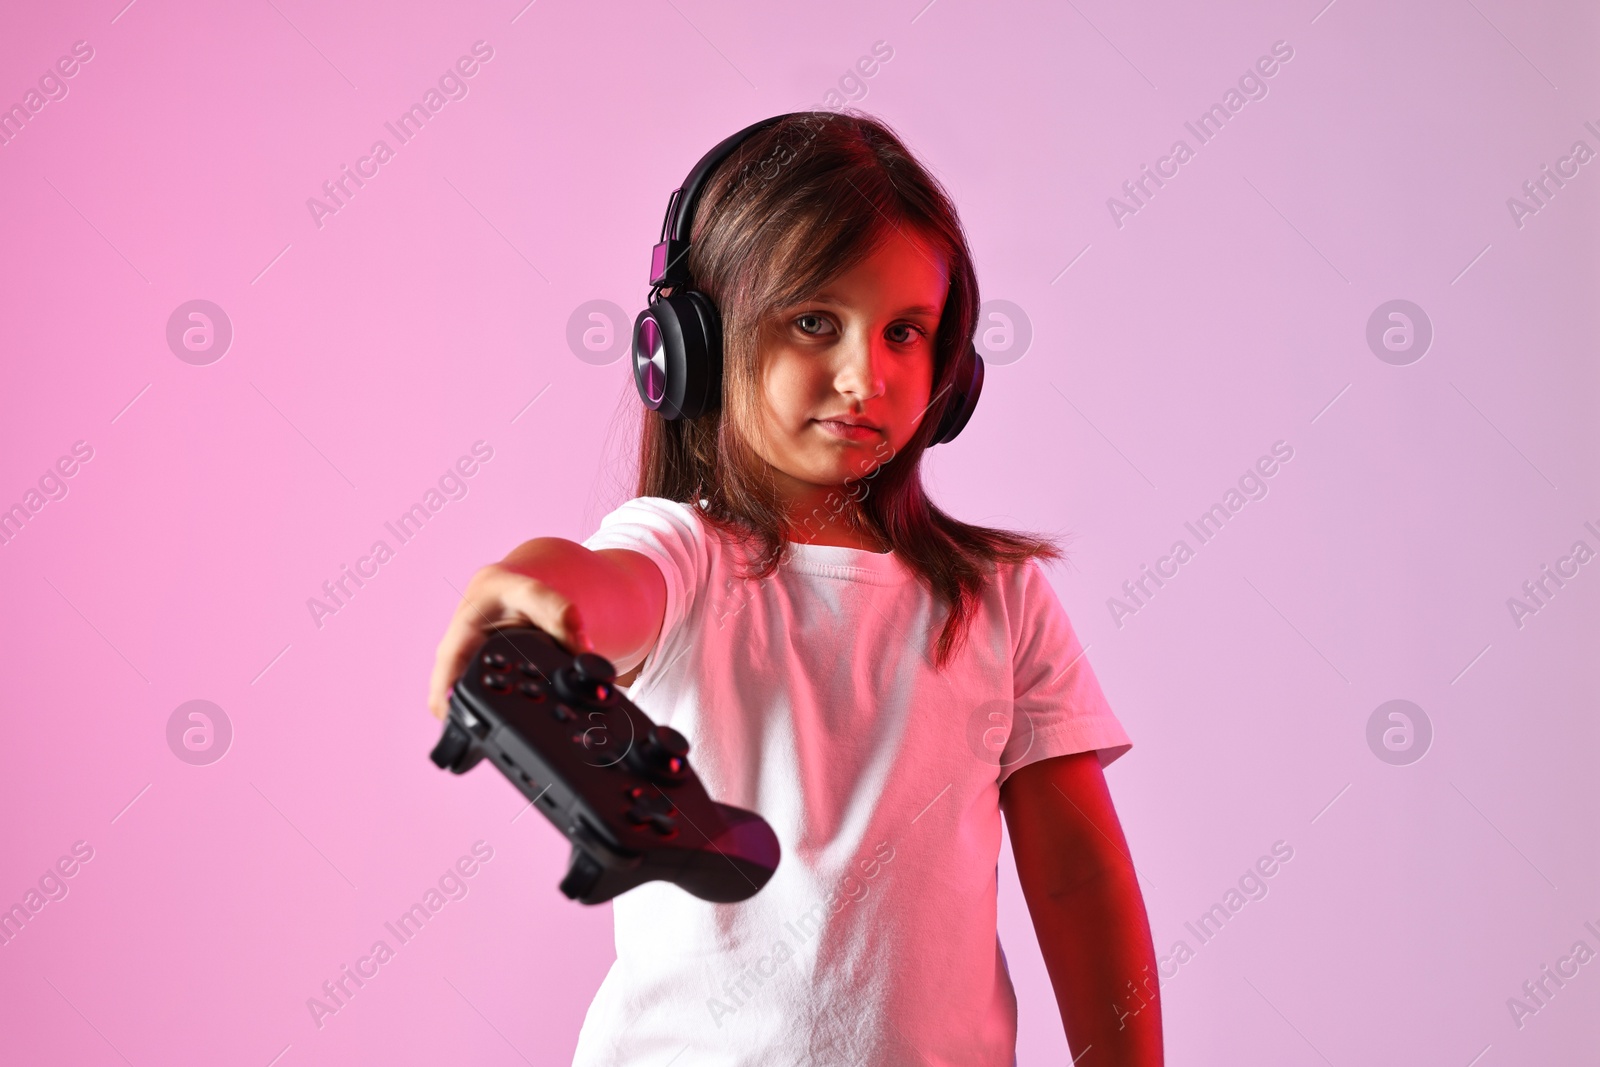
[{"x": 846, "y": 430}]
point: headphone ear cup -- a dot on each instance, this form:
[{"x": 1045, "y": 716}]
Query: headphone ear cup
[
  {"x": 966, "y": 389},
  {"x": 677, "y": 355},
  {"x": 702, "y": 382}
]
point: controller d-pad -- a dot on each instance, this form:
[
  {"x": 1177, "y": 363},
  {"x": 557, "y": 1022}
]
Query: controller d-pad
[
  {"x": 645, "y": 800},
  {"x": 653, "y": 810},
  {"x": 665, "y": 825}
]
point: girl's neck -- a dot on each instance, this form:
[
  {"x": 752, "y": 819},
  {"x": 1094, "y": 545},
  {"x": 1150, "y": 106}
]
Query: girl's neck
[{"x": 818, "y": 524}]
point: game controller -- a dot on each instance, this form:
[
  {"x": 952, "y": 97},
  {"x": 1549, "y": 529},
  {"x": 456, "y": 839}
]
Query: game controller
[{"x": 616, "y": 784}]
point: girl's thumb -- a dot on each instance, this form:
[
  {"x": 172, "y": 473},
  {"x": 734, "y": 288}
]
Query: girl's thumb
[{"x": 577, "y": 637}]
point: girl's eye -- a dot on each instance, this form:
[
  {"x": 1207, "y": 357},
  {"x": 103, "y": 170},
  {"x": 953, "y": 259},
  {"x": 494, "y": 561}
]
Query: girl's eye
[
  {"x": 802, "y": 322},
  {"x": 815, "y": 325}
]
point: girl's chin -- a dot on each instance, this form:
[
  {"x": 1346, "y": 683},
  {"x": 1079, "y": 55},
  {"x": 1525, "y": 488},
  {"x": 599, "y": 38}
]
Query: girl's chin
[{"x": 845, "y": 465}]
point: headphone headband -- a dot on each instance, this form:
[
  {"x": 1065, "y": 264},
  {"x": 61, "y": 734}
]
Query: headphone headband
[{"x": 669, "y": 262}]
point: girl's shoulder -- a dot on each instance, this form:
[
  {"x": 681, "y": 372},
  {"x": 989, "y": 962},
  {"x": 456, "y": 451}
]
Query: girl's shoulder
[
  {"x": 656, "y": 525},
  {"x": 1025, "y": 590},
  {"x": 658, "y": 512}
]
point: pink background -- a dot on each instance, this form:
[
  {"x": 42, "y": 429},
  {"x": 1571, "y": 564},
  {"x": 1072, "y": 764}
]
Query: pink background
[{"x": 370, "y": 352}]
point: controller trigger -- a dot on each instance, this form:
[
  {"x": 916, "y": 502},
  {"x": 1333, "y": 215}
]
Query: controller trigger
[
  {"x": 455, "y": 749},
  {"x": 583, "y": 874}
]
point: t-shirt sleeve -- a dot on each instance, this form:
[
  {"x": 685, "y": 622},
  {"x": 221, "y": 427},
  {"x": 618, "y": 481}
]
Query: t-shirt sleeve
[
  {"x": 1058, "y": 707},
  {"x": 670, "y": 535}
]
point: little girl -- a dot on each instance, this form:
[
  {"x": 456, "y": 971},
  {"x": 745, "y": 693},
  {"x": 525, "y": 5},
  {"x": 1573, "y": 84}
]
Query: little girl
[{"x": 876, "y": 678}]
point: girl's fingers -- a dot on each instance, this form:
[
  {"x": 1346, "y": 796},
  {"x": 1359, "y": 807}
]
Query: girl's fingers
[
  {"x": 480, "y": 608},
  {"x": 572, "y": 632},
  {"x": 461, "y": 640},
  {"x": 549, "y": 611},
  {"x": 497, "y": 597}
]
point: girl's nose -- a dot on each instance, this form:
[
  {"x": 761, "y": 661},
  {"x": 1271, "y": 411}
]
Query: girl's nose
[{"x": 860, "y": 372}]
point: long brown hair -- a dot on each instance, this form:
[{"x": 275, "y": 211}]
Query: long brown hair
[{"x": 798, "y": 204}]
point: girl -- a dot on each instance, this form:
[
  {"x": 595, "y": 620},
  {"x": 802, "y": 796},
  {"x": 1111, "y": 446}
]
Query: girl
[{"x": 875, "y": 677}]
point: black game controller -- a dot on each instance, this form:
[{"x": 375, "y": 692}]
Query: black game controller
[{"x": 619, "y": 786}]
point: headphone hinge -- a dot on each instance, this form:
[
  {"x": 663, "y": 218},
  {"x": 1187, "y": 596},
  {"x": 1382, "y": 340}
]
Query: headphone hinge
[{"x": 669, "y": 264}]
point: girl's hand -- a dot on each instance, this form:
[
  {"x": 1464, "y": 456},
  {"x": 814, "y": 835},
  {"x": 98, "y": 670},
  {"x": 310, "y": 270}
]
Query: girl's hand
[{"x": 497, "y": 596}]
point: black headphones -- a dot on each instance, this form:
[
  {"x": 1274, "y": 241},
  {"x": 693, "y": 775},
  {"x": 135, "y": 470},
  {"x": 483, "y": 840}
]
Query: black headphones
[{"x": 677, "y": 340}]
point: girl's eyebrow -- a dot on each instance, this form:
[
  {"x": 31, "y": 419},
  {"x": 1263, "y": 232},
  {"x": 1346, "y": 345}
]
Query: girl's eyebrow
[{"x": 915, "y": 309}]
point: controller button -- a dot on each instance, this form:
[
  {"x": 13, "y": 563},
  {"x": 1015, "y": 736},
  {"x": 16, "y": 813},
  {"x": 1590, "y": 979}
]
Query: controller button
[
  {"x": 562, "y": 713},
  {"x": 663, "y": 755},
  {"x": 661, "y": 822},
  {"x": 530, "y": 671},
  {"x": 591, "y": 667},
  {"x": 532, "y": 690},
  {"x": 650, "y": 803},
  {"x": 497, "y": 660},
  {"x": 670, "y": 741},
  {"x": 588, "y": 680},
  {"x": 497, "y": 682}
]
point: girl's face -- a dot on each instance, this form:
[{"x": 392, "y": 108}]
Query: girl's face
[{"x": 862, "y": 351}]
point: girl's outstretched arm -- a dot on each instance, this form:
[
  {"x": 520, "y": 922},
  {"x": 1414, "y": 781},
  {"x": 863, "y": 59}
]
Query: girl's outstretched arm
[{"x": 1083, "y": 896}]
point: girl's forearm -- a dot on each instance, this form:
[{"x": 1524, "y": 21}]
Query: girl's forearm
[
  {"x": 619, "y": 615},
  {"x": 1096, "y": 943}
]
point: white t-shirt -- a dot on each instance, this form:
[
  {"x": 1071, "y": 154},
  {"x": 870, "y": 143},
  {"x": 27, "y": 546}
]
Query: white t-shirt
[{"x": 811, "y": 698}]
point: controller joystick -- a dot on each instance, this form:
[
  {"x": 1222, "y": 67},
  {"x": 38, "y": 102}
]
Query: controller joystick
[
  {"x": 630, "y": 820},
  {"x": 590, "y": 680},
  {"x": 662, "y": 754}
]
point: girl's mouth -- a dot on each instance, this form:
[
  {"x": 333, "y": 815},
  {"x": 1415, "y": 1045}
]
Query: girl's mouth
[{"x": 846, "y": 430}]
